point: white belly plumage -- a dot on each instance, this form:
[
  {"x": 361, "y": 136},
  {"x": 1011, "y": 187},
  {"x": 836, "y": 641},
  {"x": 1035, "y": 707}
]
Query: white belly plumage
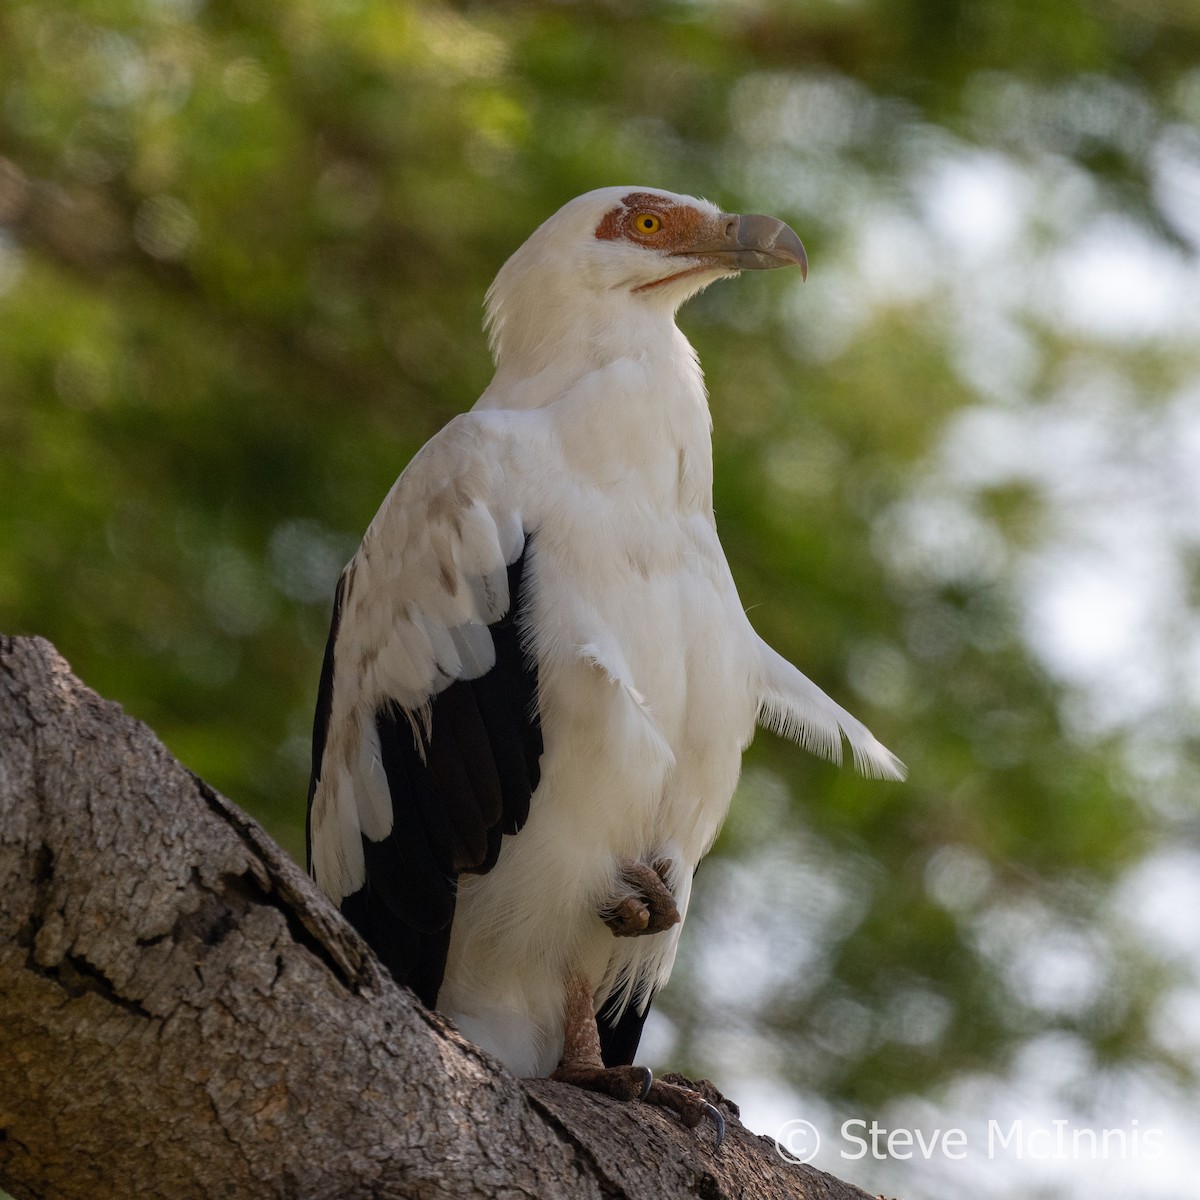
[{"x": 637, "y": 767}]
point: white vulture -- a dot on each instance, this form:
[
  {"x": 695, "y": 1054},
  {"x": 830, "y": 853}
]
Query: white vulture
[{"x": 540, "y": 680}]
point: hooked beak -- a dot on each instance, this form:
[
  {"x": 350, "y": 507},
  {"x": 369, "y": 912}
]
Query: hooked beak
[{"x": 752, "y": 242}]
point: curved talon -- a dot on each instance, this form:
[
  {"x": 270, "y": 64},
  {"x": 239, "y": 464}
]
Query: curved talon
[
  {"x": 719, "y": 1121},
  {"x": 647, "y": 1083}
]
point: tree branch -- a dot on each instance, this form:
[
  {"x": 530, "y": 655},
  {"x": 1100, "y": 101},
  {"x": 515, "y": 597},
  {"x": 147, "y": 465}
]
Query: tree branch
[{"x": 183, "y": 1015}]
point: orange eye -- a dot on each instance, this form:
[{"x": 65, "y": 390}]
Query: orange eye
[{"x": 647, "y": 223}]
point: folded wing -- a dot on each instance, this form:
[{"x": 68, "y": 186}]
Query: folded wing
[{"x": 427, "y": 737}]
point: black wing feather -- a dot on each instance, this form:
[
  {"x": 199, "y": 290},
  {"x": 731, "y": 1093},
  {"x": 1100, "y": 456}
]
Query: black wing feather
[
  {"x": 464, "y": 773},
  {"x": 411, "y": 870},
  {"x": 321, "y": 716},
  {"x": 620, "y": 1032},
  {"x": 455, "y": 791}
]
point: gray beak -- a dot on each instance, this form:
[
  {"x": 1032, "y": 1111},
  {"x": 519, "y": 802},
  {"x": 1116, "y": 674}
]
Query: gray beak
[
  {"x": 765, "y": 242},
  {"x": 752, "y": 242}
]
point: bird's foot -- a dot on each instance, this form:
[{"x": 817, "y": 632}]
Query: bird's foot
[
  {"x": 638, "y": 1083},
  {"x": 644, "y": 903},
  {"x": 582, "y": 1066},
  {"x": 622, "y": 1083},
  {"x": 691, "y": 1106}
]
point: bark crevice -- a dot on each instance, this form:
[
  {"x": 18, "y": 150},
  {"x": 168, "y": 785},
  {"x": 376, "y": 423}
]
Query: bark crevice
[{"x": 77, "y": 977}]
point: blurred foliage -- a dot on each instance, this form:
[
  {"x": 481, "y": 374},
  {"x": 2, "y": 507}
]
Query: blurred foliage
[{"x": 243, "y": 250}]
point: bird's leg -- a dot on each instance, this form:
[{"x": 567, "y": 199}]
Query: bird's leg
[
  {"x": 582, "y": 1066},
  {"x": 581, "y": 1062},
  {"x": 643, "y": 903}
]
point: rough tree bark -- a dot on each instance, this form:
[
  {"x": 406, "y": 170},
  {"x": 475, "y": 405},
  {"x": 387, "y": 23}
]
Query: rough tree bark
[{"x": 183, "y": 1015}]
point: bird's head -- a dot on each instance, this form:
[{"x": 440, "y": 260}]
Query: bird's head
[{"x": 626, "y": 250}]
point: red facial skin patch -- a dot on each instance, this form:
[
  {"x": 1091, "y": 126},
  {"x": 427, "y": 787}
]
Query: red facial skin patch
[{"x": 682, "y": 227}]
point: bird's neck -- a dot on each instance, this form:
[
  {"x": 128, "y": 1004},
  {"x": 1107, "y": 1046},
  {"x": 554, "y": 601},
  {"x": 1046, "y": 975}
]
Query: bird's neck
[
  {"x": 627, "y": 405},
  {"x": 546, "y": 340}
]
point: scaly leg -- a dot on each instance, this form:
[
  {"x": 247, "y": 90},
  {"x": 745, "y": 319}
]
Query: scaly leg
[
  {"x": 581, "y": 1062},
  {"x": 582, "y": 1066}
]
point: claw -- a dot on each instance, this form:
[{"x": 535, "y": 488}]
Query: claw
[
  {"x": 581, "y": 1065},
  {"x": 719, "y": 1121}
]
